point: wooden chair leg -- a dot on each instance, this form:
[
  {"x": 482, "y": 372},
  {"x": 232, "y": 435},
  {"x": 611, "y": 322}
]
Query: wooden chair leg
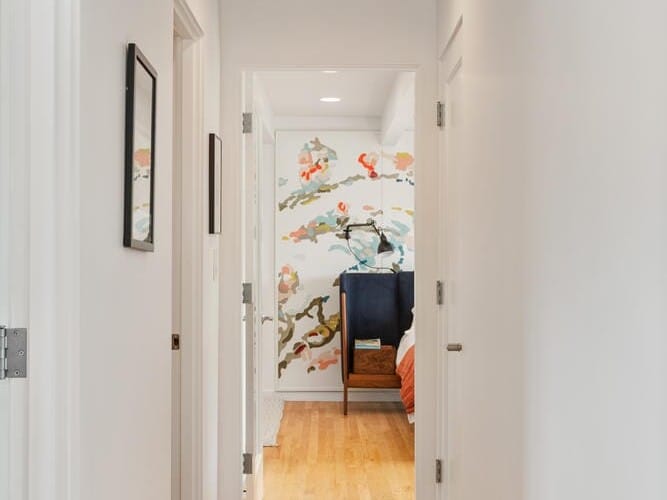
[{"x": 345, "y": 399}]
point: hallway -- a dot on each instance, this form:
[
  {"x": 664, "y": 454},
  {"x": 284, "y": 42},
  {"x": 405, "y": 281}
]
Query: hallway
[
  {"x": 134, "y": 292},
  {"x": 323, "y": 455}
]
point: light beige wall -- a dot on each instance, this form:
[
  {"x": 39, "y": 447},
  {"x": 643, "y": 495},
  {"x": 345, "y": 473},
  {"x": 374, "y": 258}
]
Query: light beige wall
[
  {"x": 126, "y": 294},
  {"x": 562, "y": 278}
]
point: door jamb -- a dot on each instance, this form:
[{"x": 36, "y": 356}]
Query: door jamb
[
  {"x": 230, "y": 351},
  {"x": 189, "y": 30}
]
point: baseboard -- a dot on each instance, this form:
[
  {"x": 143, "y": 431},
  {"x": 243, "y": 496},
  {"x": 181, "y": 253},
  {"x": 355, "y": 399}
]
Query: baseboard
[{"x": 337, "y": 395}]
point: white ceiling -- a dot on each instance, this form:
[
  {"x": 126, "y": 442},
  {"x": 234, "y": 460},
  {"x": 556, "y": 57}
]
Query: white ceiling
[{"x": 297, "y": 93}]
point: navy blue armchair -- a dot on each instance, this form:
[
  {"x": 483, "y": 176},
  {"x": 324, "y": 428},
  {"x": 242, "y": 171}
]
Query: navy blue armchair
[{"x": 373, "y": 306}]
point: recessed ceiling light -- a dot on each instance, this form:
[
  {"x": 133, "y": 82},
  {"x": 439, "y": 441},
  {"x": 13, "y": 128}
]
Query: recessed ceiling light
[
  {"x": 330, "y": 99},
  {"x": 330, "y": 71}
]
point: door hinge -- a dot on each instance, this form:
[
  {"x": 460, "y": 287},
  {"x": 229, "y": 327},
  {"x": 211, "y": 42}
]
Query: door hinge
[
  {"x": 247, "y": 293},
  {"x": 175, "y": 342},
  {"x": 438, "y": 470},
  {"x": 247, "y": 463},
  {"x": 247, "y": 123},
  {"x": 440, "y": 114},
  {"x": 439, "y": 292},
  {"x": 13, "y": 352}
]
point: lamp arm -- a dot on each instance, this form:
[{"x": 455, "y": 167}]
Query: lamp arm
[{"x": 370, "y": 223}]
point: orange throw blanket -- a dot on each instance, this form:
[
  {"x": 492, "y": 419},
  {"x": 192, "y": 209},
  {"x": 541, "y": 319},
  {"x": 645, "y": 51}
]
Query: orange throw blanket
[{"x": 406, "y": 370}]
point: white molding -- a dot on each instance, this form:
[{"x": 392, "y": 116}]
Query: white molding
[
  {"x": 193, "y": 156},
  {"x": 399, "y": 112},
  {"x": 185, "y": 22},
  {"x": 263, "y": 112},
  {"x": 53, "y": 291},
  {"x": 452, "y": 36},
  {"x": 193, "y": 141}
]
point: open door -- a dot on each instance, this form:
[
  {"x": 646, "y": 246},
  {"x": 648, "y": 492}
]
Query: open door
[
  {"x": 252, "y": 445},
  {"x": 451, "y": 344}
]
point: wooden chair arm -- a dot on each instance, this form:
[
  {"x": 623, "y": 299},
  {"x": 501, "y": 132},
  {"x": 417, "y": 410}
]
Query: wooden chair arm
[{"x": 343, "y": 335}]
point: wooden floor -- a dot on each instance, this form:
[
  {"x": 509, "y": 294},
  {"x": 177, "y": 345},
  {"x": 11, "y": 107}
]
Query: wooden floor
[{"x": 322, "y": 454}]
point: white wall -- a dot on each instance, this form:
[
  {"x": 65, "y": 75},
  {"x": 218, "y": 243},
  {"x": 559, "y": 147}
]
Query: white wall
[
  {"x": 256, "y": 33},
  {"x": 126, "y": 294},
  {"x": 208, "y": 14},
  {"x": 563, "y": 279}
]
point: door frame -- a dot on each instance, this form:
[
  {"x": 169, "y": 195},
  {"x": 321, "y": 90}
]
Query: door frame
[
  {"x": 426, "y": 265},
  {"x": 190, "y": 115},
  {"x": 45, "y": 131}
]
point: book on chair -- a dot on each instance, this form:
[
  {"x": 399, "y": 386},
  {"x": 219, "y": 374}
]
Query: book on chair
[{"x": 374, "y": 344}]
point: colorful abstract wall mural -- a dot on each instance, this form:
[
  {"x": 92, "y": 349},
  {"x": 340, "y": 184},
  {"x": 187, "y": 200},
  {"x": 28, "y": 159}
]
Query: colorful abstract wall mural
[{"x": 326, "y": 180}]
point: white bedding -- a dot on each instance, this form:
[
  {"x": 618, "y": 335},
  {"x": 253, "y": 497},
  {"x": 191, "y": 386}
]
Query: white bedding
[{"x": 407, "y": 341}]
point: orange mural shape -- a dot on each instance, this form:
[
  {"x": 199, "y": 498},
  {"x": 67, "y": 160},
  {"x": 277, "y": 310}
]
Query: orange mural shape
[
  {"x": 342, "y": 207},
  {"x": 143, "y": 157},
  {"x": 403, "y": 160},
  {"x": 368, "y": 161}
]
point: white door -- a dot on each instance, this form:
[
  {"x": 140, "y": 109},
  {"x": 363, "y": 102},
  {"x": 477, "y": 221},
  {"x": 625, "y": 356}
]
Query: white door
[
  {"x": 14, "y": 229},
  {"x": 452, "y": 336},
  {"x": 252, "y": 321}
]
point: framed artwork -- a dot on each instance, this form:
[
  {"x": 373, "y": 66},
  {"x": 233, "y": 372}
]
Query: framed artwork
[
  {"x": 140, "y": 99},
  {"x": 214, "y": 184}
]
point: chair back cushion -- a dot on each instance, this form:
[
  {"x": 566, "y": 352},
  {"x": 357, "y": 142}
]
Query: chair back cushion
[{"x": 378, "y": 306}]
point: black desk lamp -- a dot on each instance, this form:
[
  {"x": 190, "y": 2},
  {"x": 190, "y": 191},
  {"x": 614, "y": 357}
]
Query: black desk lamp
[{"x": 385, "y": 248}]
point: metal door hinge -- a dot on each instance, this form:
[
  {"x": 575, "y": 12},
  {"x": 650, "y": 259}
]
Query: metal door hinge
[
  {"x": 247, "y": 123},
  {"x": 440, "y": 114},
  {"x": 247, "y": 293},
  {"x": 438, "y": 470},
  {"x": 439, "y": 292},
  {"x": 175, "y": 342},
  {"x": 13, "y": 352},
  {"x": 247, "y": 463}
]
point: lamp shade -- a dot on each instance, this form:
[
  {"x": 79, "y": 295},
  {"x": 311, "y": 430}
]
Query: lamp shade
[{"x": 385, "y": 248}]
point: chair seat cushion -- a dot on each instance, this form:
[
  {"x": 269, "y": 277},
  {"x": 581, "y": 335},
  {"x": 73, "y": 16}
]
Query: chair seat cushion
[{"x": 374, "y": 381}]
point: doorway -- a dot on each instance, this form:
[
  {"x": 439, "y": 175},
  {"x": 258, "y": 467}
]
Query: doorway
[
  {"x": 327, "y": 149},
  {"x": 187, "y": 256}
]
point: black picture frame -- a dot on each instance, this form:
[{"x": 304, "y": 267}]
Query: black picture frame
[
  {"x": 214, "y": 184},
  {"x": 140, "y": 104}
]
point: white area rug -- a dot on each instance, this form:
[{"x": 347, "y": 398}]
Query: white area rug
[{"x": 272, "y": 414}]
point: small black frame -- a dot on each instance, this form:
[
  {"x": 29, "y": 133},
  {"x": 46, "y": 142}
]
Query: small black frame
[
  {"x": 138, "y": 67},
  {"x": 214, "y": 184}
]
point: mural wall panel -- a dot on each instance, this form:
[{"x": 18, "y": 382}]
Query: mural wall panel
[{"x": 325, "y": 180}]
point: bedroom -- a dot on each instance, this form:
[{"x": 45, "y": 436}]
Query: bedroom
[{"x": 335, "y": 176}]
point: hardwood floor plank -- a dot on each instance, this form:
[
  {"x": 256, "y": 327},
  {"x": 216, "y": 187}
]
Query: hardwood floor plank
[{"x": 322, "y": 455}]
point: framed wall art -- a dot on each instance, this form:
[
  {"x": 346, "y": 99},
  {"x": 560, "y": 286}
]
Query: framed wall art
[
  {"x": 140, "y": 101},
  {"x": 214, "y": 184}
]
